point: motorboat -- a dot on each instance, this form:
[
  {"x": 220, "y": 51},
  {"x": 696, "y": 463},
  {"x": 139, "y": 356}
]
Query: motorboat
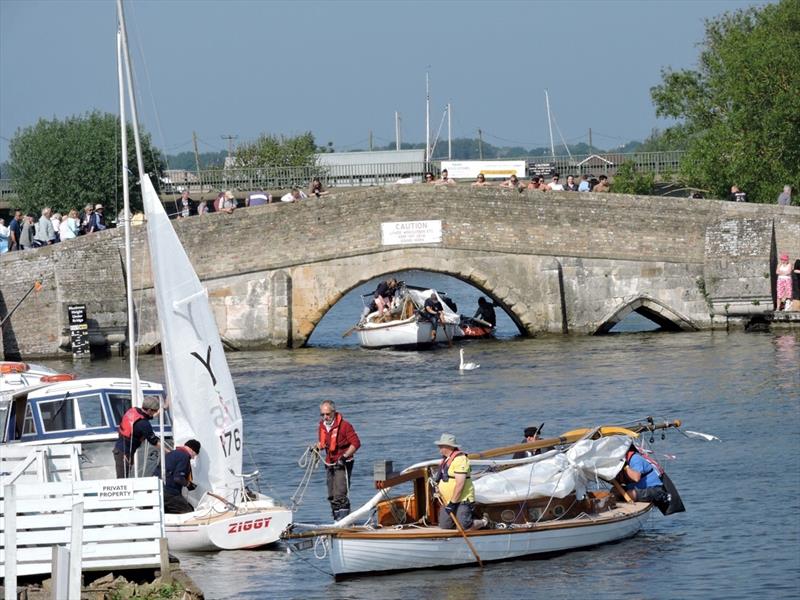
[
  {"x": 562, "y": 499},
  {"x": 81, "y": 412},
  {"x": 404, "y": 326},
  {"x": 15, "y": 375}
]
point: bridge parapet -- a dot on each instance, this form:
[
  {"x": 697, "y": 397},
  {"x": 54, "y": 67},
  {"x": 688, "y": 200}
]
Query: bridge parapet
[{"x": 555, "y": 261}]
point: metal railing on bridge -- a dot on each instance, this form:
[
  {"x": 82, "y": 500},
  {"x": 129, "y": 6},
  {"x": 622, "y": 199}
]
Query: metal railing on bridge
[{"x": 607, "y": 163}]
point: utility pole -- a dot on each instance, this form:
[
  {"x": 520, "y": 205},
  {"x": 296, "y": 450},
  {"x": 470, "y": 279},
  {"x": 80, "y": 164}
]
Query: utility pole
[
  {"x": 427, "y": 119},
  {"x": 397, "y": 130},
  {"x": 230, "y": 139},
  {"x": 480, "y": 143},
  {"x": 590, "y": 140},
  {"x": 197, "y": 163},
  {"x": 449, "y": 132},
  {"x": 370, "y": 140}
]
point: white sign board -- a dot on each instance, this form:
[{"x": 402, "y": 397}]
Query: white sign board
[
  {"x": 116, "y": 493},
  {"x": 411, "y": 232},
  {"x": 491, "y": 169}
]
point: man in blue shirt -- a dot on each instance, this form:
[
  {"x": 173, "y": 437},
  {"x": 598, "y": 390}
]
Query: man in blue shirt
[
  {"x": 178, "y": 475},
  {"x": 643, "y": 478}
]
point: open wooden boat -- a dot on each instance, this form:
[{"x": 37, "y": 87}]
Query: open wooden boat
[
  {"x": 560, "y": 510},
  {"x": 404, "y": 328}
]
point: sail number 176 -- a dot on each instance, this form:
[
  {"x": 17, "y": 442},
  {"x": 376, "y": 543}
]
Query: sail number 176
[{"x": 230, "y": 439}]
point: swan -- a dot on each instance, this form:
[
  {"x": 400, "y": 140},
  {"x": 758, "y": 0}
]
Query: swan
[{"x": 466, "y": 366}]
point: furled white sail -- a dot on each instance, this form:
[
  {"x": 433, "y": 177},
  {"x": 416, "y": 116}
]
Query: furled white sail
[
  {"x": 558, "y": 475},
  {"x": 202, "y": 397},
  {"x": 419, "y": 297}
]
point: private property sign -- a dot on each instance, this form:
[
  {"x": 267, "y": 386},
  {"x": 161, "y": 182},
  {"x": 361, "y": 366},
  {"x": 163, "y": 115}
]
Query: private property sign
[
  {"x": 411, "y": 232},
  {"x": 118, "y": 492}
]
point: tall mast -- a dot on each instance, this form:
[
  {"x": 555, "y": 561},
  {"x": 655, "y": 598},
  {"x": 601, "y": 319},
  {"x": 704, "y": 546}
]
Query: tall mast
[
  {"x": 549, "y": 123},
  {"x": 449, "y": 132},
  {"x": 427, "y": 119},
  {"x": 126, "y": 220},
  {"x": 125, "y": 54}
]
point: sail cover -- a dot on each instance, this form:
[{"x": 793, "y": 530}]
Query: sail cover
[
  {"x": 558, "y": 475},
  {"x": 202, "y": 397},
  {"x": 418, "y": 297}
]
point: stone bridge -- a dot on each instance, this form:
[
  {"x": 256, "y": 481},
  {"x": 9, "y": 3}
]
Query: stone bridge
[{"x": 556, "y": 262}]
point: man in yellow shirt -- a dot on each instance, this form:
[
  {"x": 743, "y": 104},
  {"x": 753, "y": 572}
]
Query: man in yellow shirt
[{"x": 454, "y": 483}]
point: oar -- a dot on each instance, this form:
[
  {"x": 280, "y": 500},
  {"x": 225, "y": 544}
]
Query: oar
[
  {"x": 349, "y": 331},
  {"x": 466, "y": 539},
  {"x": 449, "y": 339}
]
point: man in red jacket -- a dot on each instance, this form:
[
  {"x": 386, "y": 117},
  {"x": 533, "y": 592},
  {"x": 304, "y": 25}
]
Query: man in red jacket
[{"x": 340, "y": 442}]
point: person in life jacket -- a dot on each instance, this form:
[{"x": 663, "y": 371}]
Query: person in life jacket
[
  {"x": 642, "y": 477},
  {"x": 340, "y": 442},
  {"x": 134, "y": 428},
  {"x": 454, "y": 485},
  {"x": 178, "y": 475}
]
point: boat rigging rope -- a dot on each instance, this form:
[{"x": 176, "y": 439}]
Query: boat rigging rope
[{"x": 309, "y": 461}]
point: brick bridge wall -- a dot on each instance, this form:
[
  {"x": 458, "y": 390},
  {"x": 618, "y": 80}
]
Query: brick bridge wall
[{"x": 557, "y": 262}]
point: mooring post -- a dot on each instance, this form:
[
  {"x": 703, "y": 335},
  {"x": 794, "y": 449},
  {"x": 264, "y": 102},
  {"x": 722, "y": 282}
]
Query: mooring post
[
  {"x": 76, "y": 551},
  {"x": 166, "y": 572},
  {"x": 10, "y": 539}
]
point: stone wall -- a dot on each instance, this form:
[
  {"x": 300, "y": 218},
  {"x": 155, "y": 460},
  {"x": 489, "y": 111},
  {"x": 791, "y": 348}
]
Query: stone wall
[{"x": 557, "y": 262}]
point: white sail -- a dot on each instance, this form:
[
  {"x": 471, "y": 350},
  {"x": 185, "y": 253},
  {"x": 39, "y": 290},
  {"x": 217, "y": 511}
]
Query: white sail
[
  {"x": 202, "y": 397},
  {"x": 559, "y": 475}
]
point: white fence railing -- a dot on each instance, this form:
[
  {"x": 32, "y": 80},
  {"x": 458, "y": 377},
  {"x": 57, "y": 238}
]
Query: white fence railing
[
  {"x": 123, "y": 523},
  {"x": 39, "y": 464}
]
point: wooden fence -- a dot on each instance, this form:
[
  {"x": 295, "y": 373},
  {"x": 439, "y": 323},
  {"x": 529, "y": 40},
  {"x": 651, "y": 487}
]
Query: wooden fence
[{"x": 123, "y": 523}]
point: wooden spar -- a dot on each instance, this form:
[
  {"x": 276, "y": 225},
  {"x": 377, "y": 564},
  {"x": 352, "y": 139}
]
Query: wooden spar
[
  {"x": 546, "y": 443},
  {"x": 564, "y": 439},
  {"x": 621, "y": 491}
]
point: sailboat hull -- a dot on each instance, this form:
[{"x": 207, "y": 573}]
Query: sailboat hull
[
  {"x": 252, "y": 525},
  {"x": 375, "y": 552}
]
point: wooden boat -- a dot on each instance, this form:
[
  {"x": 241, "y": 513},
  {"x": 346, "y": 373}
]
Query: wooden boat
[
  {"x": 402, "y": 532},
  {"x": 404, "y": 328},
  {"x": 471, "y": 327}
]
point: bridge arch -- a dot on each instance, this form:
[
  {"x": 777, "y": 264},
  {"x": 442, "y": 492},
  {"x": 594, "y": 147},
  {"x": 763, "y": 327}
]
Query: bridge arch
[
  {"x": 348, "y": 279},
  {"x": 650, "y": 308}
]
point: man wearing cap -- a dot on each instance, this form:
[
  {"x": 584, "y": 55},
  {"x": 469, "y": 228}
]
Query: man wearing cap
[
  {"x": 178, "y": 475},
  {"x": 454, "y": 485},
  {"x": 134, "y": 428},
  {"x": 340, "y": 442},
  {"x": 531, "y": 435}
]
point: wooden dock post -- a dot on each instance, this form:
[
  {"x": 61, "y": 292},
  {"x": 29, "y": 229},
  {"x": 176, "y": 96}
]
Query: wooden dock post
[
  {"x": 76, "y": 551},
  {"x": 166, "y": 571},
  {"x": 60, "y": 572},
  {"x": 10, "y": 539}
]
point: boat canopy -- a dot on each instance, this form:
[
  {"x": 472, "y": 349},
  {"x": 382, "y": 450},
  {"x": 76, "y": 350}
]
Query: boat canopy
[{"x": 558, "y": 475}]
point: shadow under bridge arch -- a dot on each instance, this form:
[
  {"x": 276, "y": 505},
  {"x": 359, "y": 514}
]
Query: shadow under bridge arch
[{"x": 650, "y": 308}]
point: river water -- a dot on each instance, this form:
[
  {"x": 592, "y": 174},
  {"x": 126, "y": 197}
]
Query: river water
[{"x": 740, "y": 536}]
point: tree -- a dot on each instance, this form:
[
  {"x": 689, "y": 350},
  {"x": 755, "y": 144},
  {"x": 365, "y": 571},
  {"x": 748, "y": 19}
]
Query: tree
[
  {"x": 277, "y": 151},
  {"x": 67, "y": 164},
  {"x": 740, "y": 110},
  {"x": 628, "y": 181}
]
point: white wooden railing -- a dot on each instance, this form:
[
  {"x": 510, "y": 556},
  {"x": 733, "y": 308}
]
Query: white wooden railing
[
  {"x": 39, "y": 464},
  {"x": 123, "y": 524}
]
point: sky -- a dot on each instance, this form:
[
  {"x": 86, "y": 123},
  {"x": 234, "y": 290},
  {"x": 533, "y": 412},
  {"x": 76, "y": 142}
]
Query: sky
[{"x": 341, "y": 69}]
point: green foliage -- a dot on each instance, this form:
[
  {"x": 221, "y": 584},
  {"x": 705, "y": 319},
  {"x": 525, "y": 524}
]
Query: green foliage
[
  {"x": 67, "y": 164},
  {"x": 628, "y": 181},
  {"x": 187, "y": 162},
  {"x": 740, "y": 110},
  {"x": 277, "y": 151}
]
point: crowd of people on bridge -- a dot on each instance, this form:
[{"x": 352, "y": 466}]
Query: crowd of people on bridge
[
  {"x": 29, "y": 231},
  {"x": 586, "y": 183}
]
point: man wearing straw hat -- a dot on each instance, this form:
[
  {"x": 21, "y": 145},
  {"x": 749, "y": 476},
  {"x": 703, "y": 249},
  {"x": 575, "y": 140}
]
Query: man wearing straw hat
[{"x": 454, "y": 485}]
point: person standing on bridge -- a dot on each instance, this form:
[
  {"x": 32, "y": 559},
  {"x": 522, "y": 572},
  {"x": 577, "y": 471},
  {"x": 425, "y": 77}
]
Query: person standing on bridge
[
  {"x": 445, "y": 179},
  {"x": 602, "y": 185},
  {"x": 185, "y": 206},
  {"x": 784, "y": 291},
  {"x": 339, "y": 440}
]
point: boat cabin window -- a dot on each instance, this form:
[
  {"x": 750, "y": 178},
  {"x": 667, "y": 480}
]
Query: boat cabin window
[
  {"x": 120, "y": 403},
  {"x": 28, "y": 426},
  {"x": 91, "y": 411},
  {"x": 58, "y": 415}
]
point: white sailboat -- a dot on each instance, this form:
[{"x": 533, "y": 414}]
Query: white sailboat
[{"x": 203, "y": 401}]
